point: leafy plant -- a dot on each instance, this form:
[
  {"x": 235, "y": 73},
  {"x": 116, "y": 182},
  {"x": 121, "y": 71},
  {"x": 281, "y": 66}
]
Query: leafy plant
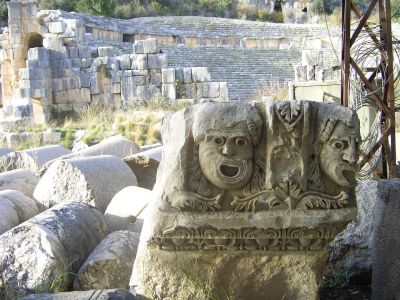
[{"x": 97, "y": 7}]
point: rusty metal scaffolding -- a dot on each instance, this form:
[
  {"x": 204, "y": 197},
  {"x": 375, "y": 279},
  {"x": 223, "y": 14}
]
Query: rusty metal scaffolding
[{"x": 385, "y": 99}]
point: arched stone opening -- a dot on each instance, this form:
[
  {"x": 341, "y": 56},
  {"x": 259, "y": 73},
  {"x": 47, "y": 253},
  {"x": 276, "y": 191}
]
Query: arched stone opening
[{"x": 35, "y": 40}]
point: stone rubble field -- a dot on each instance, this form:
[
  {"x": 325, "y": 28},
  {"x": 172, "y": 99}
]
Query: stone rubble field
[{"x": 71, "y": 221}]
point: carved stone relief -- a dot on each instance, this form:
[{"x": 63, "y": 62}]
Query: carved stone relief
[{"x": 238, "y": 159}]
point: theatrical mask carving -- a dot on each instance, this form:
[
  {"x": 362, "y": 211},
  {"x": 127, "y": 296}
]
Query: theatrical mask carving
[
  {"x": 339, "y": 155},
  {"x": 282, "y": 168},
  {"x": 226, "y": 156}
]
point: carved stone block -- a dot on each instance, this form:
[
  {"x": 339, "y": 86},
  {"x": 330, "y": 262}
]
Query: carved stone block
[{"x": 250, "y": 179}]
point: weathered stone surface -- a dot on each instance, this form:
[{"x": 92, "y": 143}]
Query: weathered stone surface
[
  {"x": 145, "y": 167},
  {"x": 276, "y": 180},
  {"x": 386, "y": 241},
  {"x": 94, "y": 180},
  {"x": 15, "y": 209},
  {"x": 49, "y": 246},
  {"x": 208, "y": 275},
  {"x": 109, "y": 266},
  {"x": 150, "y": 46},
  {"x": 117, "y": 145},
  {"x": 20, "y": 180},
  {"x": 32, "y": 159},
  {"x": 8, "y": 215},
  {"x": 5, "y": 150},
  {"x": 126, "y": 209},
  {"x": 114, "y": 294},
  {"x": 349, "y": 255}
]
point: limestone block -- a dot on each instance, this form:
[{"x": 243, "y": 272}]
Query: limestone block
[
  {"x": 76, "y": 62},
  {"x": 87, "y": 62},
  {"x": 156, "y": 61},
  {"x": 125, "y": 211},
  {"x": 52, "y": 42},
  {"x": 311, "y": 57},
  {"x": 148, "y": 92},
  {"x": 300, "y": 73},
  {"x": 124, "y": 61},
  {"x": 223, "y": 91},
  {"x": 57, "y": 27},
  {"x": 179, "y": 75},
  {"x": 15, "y": 208},
  {"x": 14, "y": 138},
  {"x": 232, "y": 192},
  {"x": 200, "y": 74},
  {"x": 37, "y": 93},
  {"x": 116, "y": 88},
  {"x": 49, "y": 246},
  {"x": 106, "y": 51},
  {"x": 250, "y": 277},
  {"x": 114, "y": 294},
  {"x": 31, "y": 159},
  {"x": 110, "y": 264},
  {"x": 138, "y": 47},
  {"x": 39, "y": 53},
  {"x": 155, "y": 77},
  {"x": 117, "y": 145},
  {"x": 51, "y": 137},
  {"x": 168, "y": 91},
  {"x": 139, "y": 62},
  {"x": 73, "y": 52},
  {"x": 8, "y": 215},
  {"x": 20, "y": 180},
  {"x": 150, "y": 46},
  {"x": 350, "y": 253},
  {"x": 94, "y": 180},
  {"x": 189, "y": 90},
  {"x": 385, "y": 241},
  {"x": 168, "y": 75},
  {"x": 85, "y": 51},
  {"x": 34, "y": 74},
  {"x": 208, "y": 90},
  {"x": 145, "y": 167}
]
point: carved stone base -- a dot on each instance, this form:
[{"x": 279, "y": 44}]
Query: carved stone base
[{"x": 228, "y": 275}]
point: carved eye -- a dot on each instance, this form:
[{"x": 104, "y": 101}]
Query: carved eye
[
  {"x": 219, "y": 141},
  {"x": 241, "y": 141},
  {"x": 339, "y": 145}
]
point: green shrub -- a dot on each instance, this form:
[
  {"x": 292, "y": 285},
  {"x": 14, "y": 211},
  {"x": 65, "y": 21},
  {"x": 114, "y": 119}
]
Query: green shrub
[
  {"x": 3, "y": 11},
  {"x": 97, "y": 7},
  {"x": 67, "y": 5}
]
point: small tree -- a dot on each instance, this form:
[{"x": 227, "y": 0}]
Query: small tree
[{"x": 97, "y": 7}]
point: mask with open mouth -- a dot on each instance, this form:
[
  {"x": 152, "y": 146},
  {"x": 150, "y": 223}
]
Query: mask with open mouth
[
  {"x": 227, "y": 160},
  {"x": 339, "y": 155}
]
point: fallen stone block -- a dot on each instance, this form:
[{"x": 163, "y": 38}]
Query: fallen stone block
[
  {"x": 20, "y": 180},
  {"x": 21, "y": 209},
  {"x": 31, "y": 159},
  {"x": 117, "y": 145},
  {"x": 49, "y": 247},
  {"x": 115, "y": 294},
  {"x": 110, "y": 264},
  {"x": 94, "y": 180},
  {"x": 125, "y": 209}
]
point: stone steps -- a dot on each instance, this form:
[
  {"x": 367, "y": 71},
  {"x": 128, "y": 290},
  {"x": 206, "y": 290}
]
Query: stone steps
[{"x": 245, "y": 71}]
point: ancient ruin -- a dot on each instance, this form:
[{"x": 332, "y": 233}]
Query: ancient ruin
[{"x": 237, "y": 177}]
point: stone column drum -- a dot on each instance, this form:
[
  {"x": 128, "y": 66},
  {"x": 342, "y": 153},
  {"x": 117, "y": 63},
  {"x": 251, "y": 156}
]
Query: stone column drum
[{"x": 247, "y": 198}]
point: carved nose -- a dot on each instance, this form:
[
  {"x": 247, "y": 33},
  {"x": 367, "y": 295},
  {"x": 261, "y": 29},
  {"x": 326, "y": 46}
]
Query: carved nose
[
  {"x": 228, "y": 150},
  {"x": 350, "y": 155}
]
